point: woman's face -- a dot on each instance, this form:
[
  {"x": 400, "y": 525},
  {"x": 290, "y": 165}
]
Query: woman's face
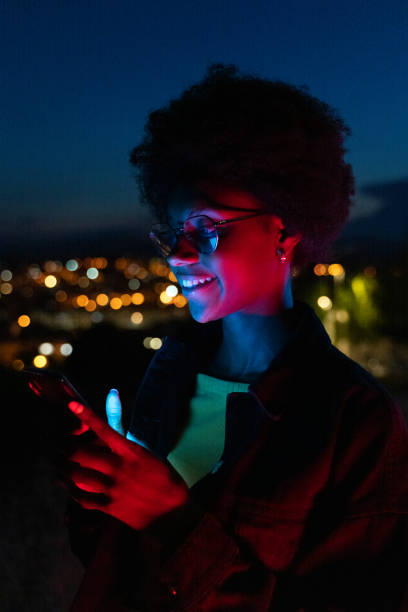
[{"x": 248, "y": 276}]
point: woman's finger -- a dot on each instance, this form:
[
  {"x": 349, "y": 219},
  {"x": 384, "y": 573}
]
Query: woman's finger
[
  {"x": 114, "y": 411},
  {"x": 97, "y": 457},
  {"x": 116, "y": 442},
  {"x": 88, "y": 480}
]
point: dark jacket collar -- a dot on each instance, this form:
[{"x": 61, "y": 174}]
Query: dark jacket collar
[{"x": 307, "y": 345}]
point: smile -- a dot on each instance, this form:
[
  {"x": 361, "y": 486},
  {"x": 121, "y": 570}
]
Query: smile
[
  {"x": 194, "y": 282},
  {"x": 196, "y": 287}
]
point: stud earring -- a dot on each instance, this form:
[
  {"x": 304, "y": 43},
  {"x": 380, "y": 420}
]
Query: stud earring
[{"x": 281, "y": 254}]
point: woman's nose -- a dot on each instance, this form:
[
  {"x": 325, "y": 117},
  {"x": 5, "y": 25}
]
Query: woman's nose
[{"x": 183, "y": 252}]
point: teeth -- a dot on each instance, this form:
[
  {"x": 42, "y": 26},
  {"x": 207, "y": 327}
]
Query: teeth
[{"x": 194, "y": 283}]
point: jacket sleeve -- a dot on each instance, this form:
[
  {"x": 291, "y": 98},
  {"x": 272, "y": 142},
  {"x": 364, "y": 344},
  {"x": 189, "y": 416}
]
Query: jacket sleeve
[{"x": 352, "y": 553}]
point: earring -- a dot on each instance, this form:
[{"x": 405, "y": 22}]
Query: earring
[{"x": 281, "y": 254}]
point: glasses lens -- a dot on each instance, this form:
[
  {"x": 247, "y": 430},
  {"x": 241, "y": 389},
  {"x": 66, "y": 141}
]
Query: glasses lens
[
  {"x": 199, "y": 231},
  {"x": 163, "y": 238}
]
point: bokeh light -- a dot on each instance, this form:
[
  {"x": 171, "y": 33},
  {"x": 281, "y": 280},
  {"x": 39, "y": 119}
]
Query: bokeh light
[
  {"x": 83, "y": 282},
  {"x": 134, "y": 284},
  {"x": 92, "y": 273},
  {"x": 102, "y": 299},
  {"x": 82, "y": 300},
  {"x": 90, "y": 306},
  {"x": 61, "y": 296},
  {"x": 180, "y": 301},
  {"x": 164, "y": 298},
  {"x": 50, "y": 281},
  {"x": 40, "y": 361},
  {"x": 46, "y": 348},
  {"x": 126, "y": 299},
  {"x": 324, "y": 302},
  {"x": 66, "y": 349},
  {"x": 136, "y": 318},
  {"x": 342, "y": 316},
  {"x": 24, "y": 320},
  {"x": 172, "y": 291},
  {"x": 336, "y": 269},
  {"x": 116, "y": 303},
  {"x": 155, "y": 343},
  {"x": 320, "y": 269},
  {"x": 146, "y": 342},
  {"x": 137, "y": 298},
  {"x": 72, "y": 265},
  {"x": 6, "y": 275},
  {"x": 18, "y": 365},
  {"x": 6, "y": 288}
]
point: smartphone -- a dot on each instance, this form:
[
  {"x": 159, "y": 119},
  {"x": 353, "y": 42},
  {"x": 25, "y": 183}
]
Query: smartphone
[
  {"x": 55, "y": 391},
  {"x": 53, "y": 387}
]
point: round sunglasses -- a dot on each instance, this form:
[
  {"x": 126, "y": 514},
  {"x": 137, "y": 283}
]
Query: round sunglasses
[{"x": 199, "y": 230}]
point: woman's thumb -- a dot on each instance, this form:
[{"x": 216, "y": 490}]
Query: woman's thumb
[{"x": 114, "y": 411}]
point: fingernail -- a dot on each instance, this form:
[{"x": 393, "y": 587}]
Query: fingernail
[{"x": 76, "y": 407}]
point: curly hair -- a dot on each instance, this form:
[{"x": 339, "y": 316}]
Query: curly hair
[{"x": 267, "y": 137}]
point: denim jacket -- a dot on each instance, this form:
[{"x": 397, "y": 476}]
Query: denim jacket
[{"x": 307, "y": 509}]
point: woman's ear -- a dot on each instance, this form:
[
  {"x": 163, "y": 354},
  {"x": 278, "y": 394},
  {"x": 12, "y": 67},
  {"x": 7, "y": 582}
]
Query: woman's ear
[{"x": 287, "y": 242}]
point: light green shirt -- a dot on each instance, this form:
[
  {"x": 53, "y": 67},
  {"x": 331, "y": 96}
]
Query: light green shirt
[{"x": 202, "y": 442}]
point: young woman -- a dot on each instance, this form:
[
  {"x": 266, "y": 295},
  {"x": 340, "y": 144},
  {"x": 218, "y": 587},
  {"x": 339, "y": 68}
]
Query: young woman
[{"x": 262, "y": 469}]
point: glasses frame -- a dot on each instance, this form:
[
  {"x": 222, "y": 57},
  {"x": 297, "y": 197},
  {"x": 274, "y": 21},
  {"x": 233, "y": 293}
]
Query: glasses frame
[{"x": 179, "y": 231}]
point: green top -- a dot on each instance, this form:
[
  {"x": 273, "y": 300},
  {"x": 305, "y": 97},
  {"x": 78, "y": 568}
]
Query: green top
[{"x": 202, "y": 442}]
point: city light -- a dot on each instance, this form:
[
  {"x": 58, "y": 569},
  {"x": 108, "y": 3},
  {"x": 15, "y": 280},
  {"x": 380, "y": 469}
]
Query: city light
[
  {"x": 146, "y": 342},
  {"x": 66, "y": 349},
  {"x": 172, "y": 291},
  {"x": 6, "y": 288},
  {"x": 180, "y": 301},
  {"x": 83, "y": 282},
  {"x": 126, "y": 299},
  {"x": 46, "y": 348},
  {"x": 102, "y": 299},
  {"x": 121, "y": 263},
  {"x": 152, "y": 343},
  {"x": 320, "y": 269},
  {"x": 134, "y": 284},
  {"x": 6, "y": 275},
  {"x": 24, "y": 320},
  {"x": 137, "y": 298},
  {"x": 116, "y": 303},
  {"x": 61, "y": 296},
  {"x": 324, "y": 302},
  {"x": 72, "y": 265},
  {"x": 165, "y": 298},
  {"x": 18, "y": 364},
  {"x": 136, "y": 318},
  {"x": 155, "y": 343},
  {"x": 342, "y": 316},
  {"x": 92, "y": 273},
  {"x": 336, "y": 269},
  {"x": 90, "y": 306},
  {"x": 82, "y": 300},
  {"x": 50, "y": 281},
  {"x": 40, "y": 361}
]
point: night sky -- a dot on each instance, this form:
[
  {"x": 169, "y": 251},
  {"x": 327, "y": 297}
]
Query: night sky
[{"x": 79, "y": 77}]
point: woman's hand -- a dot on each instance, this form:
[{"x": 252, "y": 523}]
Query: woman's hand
[{"x": 117, "y": 475}]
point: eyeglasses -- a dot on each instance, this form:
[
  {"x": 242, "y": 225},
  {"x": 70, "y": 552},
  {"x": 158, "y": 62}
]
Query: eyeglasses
[{"x": 200, "y": 231}]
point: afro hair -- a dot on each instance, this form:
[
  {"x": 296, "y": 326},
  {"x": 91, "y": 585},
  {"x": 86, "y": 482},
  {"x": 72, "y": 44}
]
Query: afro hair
[{"x": 267, "y": 137}]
